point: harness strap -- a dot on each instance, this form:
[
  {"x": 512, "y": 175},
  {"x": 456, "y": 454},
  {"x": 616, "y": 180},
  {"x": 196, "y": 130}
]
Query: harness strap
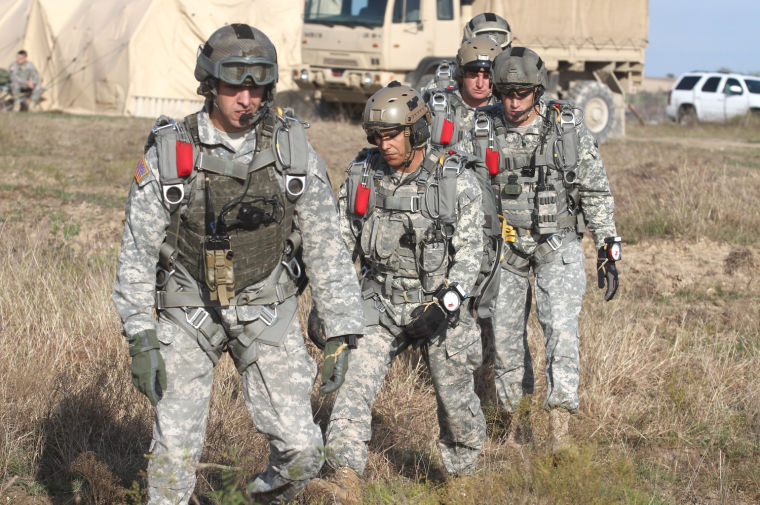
[
  {"x": 220, "y": 166},
  {"x": 268, "y": 295}
]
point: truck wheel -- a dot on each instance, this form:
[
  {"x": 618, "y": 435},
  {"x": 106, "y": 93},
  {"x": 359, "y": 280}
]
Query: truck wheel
[
  {"x": 687, "y": 115},
  {"x": 598, "y": 105}
]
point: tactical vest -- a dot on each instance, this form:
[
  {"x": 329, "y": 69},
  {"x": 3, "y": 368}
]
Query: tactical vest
[
  {"x": 414, "y": 241},
  {"x": 537, "y": 186},
  {"x": 196, "y": 186}
]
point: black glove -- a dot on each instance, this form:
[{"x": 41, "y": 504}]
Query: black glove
[
  {"x": 429, "y": 319},
  {"x": 148, "y": 369},
  {"x": 606, "y": 271},
  {"x": 315, "y": 330},
  {"x": 337, "y": 350}
]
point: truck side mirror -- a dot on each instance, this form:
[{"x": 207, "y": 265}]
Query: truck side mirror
[{"x": 734, "y": 89}]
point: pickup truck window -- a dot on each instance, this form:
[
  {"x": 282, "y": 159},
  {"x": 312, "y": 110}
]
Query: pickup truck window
[
  {"x": 753, "y": 85},
  {"x": 687, "y": 82},
  {"x": 711, "y": 84}
]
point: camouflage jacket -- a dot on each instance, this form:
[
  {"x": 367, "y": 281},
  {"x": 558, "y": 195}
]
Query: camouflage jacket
[
  {"x": 596, "y": 201},
  {"x": 20, "y": 74},
  {"x": 382, "y": 232},
  {"x": 327, "y": 263}
]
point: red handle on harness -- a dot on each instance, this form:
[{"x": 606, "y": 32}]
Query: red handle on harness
[
  {"x": 184, "y": 159},
  {"x": 447, "y": 131},
  {"x": 362, "y": 198},
  {"x": 492, "y": 161}
]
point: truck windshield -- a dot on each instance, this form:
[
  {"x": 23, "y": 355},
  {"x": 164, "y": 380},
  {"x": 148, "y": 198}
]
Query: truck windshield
[{"x": 345, "y": 12}]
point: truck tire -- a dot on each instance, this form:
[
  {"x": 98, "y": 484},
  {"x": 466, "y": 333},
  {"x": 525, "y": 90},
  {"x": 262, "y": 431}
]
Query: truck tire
[
  {"x": 686, "y": 115},
  {"x": 598, "y": 105}
]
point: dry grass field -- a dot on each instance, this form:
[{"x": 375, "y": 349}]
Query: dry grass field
[{"x": 670, "y": 394}]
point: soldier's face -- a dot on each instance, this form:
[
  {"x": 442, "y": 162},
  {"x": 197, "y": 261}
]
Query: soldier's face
[
  {"x": 476, "y": 87},
  {"x": 393, "y": 148},
  {"x": 20, "y": 59},
  {"x": 234, "y": 101},
  {"x": 515, "y": 102}
]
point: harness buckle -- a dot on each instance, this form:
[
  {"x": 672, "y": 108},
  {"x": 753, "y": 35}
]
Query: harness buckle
[
  {"x": 268, "y": 317},
  {"x": 567, "y": 116},
  {"x": 173, "y": 193},
  {"x": 482, "y": 126},
  {"x": 293, "y": 267},
  {"x": 554, "y": 241},
  {"x": 453, "y": 162},
  {"x": 414, "y": 207},
  {"x": 198, "y": 317},
  {"x": 379, "y": 305}
]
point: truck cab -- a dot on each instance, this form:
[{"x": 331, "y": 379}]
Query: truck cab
[{"x": 352, "y": 48}]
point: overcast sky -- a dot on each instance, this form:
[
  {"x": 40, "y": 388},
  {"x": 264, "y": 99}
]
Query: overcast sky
[{"x": 689, "y": 35}]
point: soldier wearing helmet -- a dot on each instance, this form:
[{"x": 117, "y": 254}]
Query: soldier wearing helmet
[
  {"x": 486, "y": 24},
  {"x": 453, "y": 109},
  {"x": 230, "y": 208},
  {"x": 546, "y": 168},
  {"x": 413, "y": 216}
]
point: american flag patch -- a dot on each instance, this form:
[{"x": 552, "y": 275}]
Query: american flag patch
[{"x": 141, "y": 170}]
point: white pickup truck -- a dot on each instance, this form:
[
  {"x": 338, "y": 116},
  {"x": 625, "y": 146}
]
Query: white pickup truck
[{"x": 712, "y": 96}]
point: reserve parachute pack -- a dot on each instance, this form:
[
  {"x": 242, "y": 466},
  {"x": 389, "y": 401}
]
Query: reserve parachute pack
[
  {"x": 538, "y": 190},
  {"x": 243, "y": 230},
  {"x": 424, "y": 251}
]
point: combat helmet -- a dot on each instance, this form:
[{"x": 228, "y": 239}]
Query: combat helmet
[
  {"x": 490, "y": 25},
  {"x": 519, "y": 68},
  {"x": 237, "y": 54},
  {"x": 394, "y": 108},
  {"x": 476, "y": 54}
]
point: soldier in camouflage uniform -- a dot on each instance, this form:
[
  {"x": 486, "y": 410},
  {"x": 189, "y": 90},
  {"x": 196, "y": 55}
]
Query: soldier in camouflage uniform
[
  {"x": 453, "y": 109},
  {"x": 553, "y": 186},
  {"x": 413, "y": 215},
  {"x": 485, "y": 24},
  {"x": 222, "y": 205},
  {"x": 24, "y": 78}
]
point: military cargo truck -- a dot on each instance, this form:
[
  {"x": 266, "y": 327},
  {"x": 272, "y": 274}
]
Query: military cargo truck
[{"x": 593, "y": 49}]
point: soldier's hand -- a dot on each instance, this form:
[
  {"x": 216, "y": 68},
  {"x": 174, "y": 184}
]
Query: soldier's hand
[
  {"x": 148, "y": 368},
  {"x": 337, "y": 351},
  {"x": 606, "y": 271}
]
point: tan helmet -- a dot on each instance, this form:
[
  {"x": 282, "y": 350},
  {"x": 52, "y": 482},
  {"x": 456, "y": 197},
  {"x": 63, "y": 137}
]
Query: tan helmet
[
  {"x": 400, "y": 107},
  {"x": 237, "y": 54},
  {"x": 476, "y": 54},
  {"x": 519, "y": 68},
  {"x": 490, "y": 25}
]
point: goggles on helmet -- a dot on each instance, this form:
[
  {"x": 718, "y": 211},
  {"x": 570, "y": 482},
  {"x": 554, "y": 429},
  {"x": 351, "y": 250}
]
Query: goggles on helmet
[
  {"x": 495, "y": 34},
  {"x": 236, "y": 69},
  {"x": 378, "y": 133}
]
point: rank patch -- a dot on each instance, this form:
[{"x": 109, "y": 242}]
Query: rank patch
[{"x": 141, "y": 170}]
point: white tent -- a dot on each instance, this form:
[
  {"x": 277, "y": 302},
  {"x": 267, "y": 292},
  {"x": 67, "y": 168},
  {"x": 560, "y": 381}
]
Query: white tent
[{"x": 135, "y": 57}]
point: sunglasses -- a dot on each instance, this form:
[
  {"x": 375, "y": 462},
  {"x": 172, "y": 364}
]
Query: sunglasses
[
  {"x": 377, "y": 135},
  {"x": 515, "y": 93}
]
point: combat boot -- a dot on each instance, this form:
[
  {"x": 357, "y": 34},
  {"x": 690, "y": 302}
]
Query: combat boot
[
  {"x": 558, "y": 420},
  {"x": 342, "y": 488}
]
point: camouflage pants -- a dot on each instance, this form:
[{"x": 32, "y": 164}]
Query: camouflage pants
[
  {"x": 35, "y": 96},
  {"x": 461, "y": 421},
  {"x": 560, "y": 281},
  {"x": 277, "y": 391}
]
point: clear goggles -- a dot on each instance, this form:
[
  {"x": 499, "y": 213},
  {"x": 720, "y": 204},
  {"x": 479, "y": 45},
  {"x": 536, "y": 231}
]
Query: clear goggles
[
  {"x": 236, "y": 69},
  {"x": 498, "y": 35}
]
